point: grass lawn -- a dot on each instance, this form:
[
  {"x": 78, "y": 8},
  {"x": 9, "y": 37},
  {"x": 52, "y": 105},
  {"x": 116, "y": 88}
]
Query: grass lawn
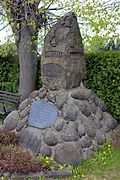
[{"x": 106, "y": 164}]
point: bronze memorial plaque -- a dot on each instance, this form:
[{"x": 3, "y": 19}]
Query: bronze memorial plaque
[{"x": 42, "y": 114}]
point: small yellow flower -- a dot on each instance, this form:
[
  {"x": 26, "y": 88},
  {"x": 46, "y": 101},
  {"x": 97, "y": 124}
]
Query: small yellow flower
[
  {"x": 51, "y": 158},
  {"x": 83, "y": 175},
  {"x": 109, "y": 145},
  {"x": 103, "y": 158},
  {"x": 110, "y": 152},
  {"x": 104, "y": 152},
  {"x": 61, "y": 167},
  {"x": 109, "y": 149},
  {"x": 47, "y": 161},
  {"x": 46, "y": 158},
  {"x": 104, "y": 163}
]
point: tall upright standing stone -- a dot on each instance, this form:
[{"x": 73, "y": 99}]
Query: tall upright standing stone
[{"x": 62, "y": 63}]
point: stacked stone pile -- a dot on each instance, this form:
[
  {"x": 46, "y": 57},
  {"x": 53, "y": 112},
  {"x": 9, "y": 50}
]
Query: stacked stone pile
[
  {"x": 82, "y": 125},
  {"x": 63, "y": 119}
]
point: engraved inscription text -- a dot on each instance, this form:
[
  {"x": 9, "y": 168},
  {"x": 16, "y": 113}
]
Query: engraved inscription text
[{"x": 53, "y": 54}]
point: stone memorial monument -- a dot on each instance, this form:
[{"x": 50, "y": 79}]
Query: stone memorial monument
[
  {"x": 63, "y": 119},
  {"x": 62, "y": 61}
]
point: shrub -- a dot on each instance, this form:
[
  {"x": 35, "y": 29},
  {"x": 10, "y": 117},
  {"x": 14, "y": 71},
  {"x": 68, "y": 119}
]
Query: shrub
[
  {"x": 9, "y": 68},
  {"x": 103, "y": 77},
  {"x": 7, "y": 137},
  {"x": 14, "y": 159}
]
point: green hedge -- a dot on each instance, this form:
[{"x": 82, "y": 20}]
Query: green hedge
[
  {"x": 103, "y": 77},
  {"x": 9, "y": 73}
]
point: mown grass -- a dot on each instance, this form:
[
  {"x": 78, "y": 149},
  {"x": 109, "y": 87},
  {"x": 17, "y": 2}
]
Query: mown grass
[{"x": 106, "y": 159}]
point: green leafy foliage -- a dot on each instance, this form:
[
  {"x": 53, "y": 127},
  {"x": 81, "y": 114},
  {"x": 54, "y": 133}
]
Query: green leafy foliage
[
  {"x": 103, "y": 77},
  {"x": 9, "y": 68}
]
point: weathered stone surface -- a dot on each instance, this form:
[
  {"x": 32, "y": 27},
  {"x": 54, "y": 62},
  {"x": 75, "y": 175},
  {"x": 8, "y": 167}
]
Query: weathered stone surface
[
  {"x": 51, "y": 138},
  {"x": 42, "y": 115},
  {"x": 99, "y": 114},
  {"x": 11, "y": 120},
  {"x": 62, "y": 60},
  {"x": 59, "y": 124},
  {"x": 95, "y": 145},
  {"x": 31, "y": 139},
  {"x": 100, "y": 136},
  {"x": 68, "y": 153},
  {"x": 45, "y": 150},
  {"x": 90, "y": 129},
  {"x": 70, "y": 132},
  {"x": 24, "y": 104},
  {"x": 93, "y": 106},
  {"x": 60, "y": 100},
  {"x": 109, "y": 121},
  {"x": 97, "y": 123},
  {"x": 81, "y": 94},
  {"x": 34, "y": 94},
  {"x": 69, "y": 112},
  {"x": 25, "y": 112},
  {"x": 42, "y": 94},
  {"x": 22, "y": 123},
  {"x": 51, "y": 96},
  {"x": 84, "y": 108},
  {"x": 87, "y": 154},
  {"x": 82, "y": 118},
  {"x": 99, "y": 103},
  {"x": 85, "y": 142},
  {"x": 39, "y": 175},
  {"x": 81, "y": 130}
]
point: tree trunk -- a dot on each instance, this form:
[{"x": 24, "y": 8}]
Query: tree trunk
[{"x": 28, "y": 63}]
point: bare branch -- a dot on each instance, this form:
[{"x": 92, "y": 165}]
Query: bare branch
[{"x": 4, "y": 27}]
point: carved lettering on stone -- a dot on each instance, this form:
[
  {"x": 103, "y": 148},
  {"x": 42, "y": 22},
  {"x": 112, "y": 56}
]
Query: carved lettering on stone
[
  {"x": 53, "y": 54},
  {"x": 75, "y": 55},
  {"x": 63, "y": 48},
  {"x": 52, "y": 70}
]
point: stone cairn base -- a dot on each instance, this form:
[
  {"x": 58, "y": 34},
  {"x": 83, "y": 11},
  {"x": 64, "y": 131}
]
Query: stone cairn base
[{"x": 82, "y": 126}]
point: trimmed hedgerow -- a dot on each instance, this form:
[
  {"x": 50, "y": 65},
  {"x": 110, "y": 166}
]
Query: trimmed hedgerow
[
  {"x": 103, "y": 77},
  {"x": 9, "y": 73}
]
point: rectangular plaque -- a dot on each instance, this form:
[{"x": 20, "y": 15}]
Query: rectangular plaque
[
  {"x": 53, "y": 54},
  {"x": 75, "y": 55},
  {"x": 52, "y": 70}
]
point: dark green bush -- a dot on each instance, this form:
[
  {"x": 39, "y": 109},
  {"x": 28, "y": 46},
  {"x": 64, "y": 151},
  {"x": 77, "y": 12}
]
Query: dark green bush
[
  {"x": 103, "y": 77},
  {"x": 9, "y": 68}
]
